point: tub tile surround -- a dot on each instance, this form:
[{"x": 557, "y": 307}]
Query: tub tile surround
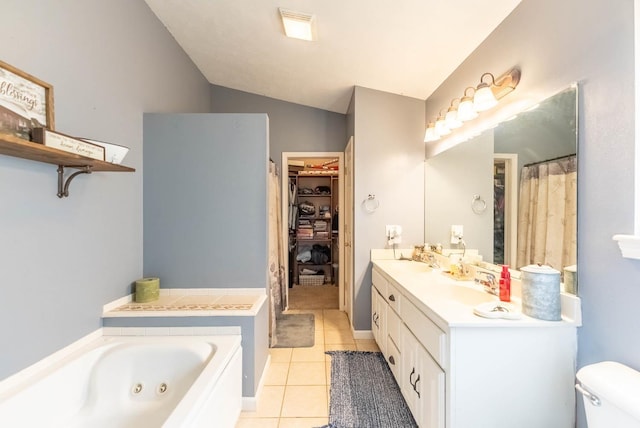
[
  {"x": 296, "y": 384},
  {"x": 182, "y": 302}
]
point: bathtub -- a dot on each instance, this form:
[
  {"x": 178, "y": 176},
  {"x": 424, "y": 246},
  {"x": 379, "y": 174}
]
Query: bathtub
[{"x": 132, "y": 381}]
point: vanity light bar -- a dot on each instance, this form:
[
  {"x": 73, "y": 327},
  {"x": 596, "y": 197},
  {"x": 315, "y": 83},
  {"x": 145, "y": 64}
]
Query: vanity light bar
[{"x": 483, "y": 97}]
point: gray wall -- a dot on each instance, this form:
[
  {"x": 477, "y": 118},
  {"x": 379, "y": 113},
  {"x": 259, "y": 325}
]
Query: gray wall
[
  {"x": 205, "y": 200},
  {"x": 451, "y": 180},
  {"x": 388, "y": 163},
  {"x": 292, "y": 127},
  {"x": 61, "y": 260},
  {"x": 556, "y": 43}
]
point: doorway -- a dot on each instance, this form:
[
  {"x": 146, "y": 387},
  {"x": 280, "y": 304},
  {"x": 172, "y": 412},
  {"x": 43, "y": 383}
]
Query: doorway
[
  {"x": 312, "y": 199},
  {"x": 505, "y": 204}
]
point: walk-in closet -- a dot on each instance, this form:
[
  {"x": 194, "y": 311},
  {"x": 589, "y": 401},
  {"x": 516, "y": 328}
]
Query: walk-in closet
[{"x": 313, "y": 232}]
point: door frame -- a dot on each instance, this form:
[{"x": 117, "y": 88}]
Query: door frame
[
  {"x": 285, "y": 213},
  {"x": 511, "y": 205}
]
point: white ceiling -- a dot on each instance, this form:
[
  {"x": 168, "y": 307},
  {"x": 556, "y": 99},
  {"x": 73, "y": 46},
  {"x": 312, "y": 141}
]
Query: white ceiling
[{"x": 406, "y": 47}]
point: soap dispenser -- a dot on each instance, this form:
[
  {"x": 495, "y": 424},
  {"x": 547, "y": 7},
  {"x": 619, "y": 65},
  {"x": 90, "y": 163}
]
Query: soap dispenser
[{"x": 505, "y": 284}]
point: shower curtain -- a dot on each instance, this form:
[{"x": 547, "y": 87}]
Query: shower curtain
[
  {"x": 277, "y": 287},
  {"x": 547, "y": 211}
]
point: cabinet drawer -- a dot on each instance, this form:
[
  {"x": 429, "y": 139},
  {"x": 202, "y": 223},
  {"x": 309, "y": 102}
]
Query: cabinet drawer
[
  {"x": 394, "y": 359},
  {"x": 379, "y": 282},
  {"x": 429, "y": 334},
  {"x": 393, "y": 297},
  {"x": 394, "y": 326}
]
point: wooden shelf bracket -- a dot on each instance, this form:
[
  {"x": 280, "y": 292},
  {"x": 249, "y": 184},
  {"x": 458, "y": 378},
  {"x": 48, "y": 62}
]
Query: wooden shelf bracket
[{"x": 63, "y": 185}]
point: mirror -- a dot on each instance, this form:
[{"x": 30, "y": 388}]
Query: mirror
[{"x": 504, "y": 184}]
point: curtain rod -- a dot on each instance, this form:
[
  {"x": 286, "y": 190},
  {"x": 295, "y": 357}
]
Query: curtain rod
[{"x": 550, "y": 160}]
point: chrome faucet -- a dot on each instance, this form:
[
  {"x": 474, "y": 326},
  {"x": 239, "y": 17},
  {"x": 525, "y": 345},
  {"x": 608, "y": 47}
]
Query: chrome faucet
[
  {"x": 488, "y": 281},
  {"x": 433, "y": 263}
]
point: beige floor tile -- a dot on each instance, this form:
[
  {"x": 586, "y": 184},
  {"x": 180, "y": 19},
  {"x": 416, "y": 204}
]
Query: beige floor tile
[
  {"x": 315, "y": 353},
  {"x": 269, "y": 403},
  {"x": 334, "y": 314},
  {"x": 277, "y": 374},
  {"x": 339, "y": 347},
  {"x": 338, "y": 337},
  {"x": 305, "y": 401},
  {"x": 302, "y": 422},
  {"x": 337, "y": 324},
  {"x": 257, "y": 423},
  {"x": 319, "y": 337},
  {"x": 368, "y": 345},
  {"x": 308, "y": 373},
  {"x": 280, "y": 355},
  {"x": 328, "y": 369}
]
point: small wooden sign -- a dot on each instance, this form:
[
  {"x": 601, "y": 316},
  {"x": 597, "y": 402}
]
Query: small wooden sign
[{"x": 68, "y": 144}]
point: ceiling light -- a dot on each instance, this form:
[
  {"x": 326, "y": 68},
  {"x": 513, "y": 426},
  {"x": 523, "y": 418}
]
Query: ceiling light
[
  {"x": 441, "y": 126},
  {"x": 483, "y": 99},
  {"x": 451, "y": 118},
  {"x": 430, "y": 134},
  {"x": 466, "y": 109},
  {"x": 298, "y": 25}
]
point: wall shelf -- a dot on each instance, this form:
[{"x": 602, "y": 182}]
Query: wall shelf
[{"x": 19, "y": 148}]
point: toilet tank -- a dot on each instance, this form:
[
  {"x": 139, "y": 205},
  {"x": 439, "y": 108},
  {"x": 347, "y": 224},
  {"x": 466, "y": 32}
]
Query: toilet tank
[{"x": 611, "y": 393}]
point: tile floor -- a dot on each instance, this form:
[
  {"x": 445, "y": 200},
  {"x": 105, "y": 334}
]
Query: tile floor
[{"x": 296, "y": 388}]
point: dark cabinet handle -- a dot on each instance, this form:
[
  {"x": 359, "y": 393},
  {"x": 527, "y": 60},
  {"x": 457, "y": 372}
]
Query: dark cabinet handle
[
  {"x": 392, "y": 360},
  {"x": 415, "y": 386},
  {"x": 411, "y": 376},
  {"x": 392, "y": 298}
]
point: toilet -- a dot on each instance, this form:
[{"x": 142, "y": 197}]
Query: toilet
[{"x": 611, "y": 394}]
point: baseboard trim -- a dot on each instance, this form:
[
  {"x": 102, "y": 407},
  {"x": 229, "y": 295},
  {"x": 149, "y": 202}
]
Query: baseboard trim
[
  {"x": 362, "y": 334},
  {"x": 250, "y": 404}
]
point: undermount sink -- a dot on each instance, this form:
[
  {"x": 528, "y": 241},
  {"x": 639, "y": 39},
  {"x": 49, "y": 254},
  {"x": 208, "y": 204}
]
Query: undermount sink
[{"x": 465, "y": 295}]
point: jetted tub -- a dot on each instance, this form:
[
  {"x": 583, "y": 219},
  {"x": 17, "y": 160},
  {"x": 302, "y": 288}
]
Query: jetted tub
[{"x": 133, "y": 381}]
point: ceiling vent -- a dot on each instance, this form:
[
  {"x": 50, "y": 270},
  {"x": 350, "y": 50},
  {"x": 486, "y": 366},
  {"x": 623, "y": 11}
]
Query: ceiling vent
[{"x": 298, "y": 25}]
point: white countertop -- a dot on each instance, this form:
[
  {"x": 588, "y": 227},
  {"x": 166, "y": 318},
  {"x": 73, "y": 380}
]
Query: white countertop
[{"x": 449, "y": 302}]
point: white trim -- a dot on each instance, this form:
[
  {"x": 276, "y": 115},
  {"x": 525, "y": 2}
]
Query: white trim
[
  {"x": 250, "y": 404},
  {"x": 629, "y": 245},
  {"x": 362, "y": 334}
]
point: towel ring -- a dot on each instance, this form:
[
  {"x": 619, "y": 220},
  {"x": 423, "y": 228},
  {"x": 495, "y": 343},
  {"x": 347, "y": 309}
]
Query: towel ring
[
  {"x": 478, "y": 205},
  {"x": 370, "y": 204}
]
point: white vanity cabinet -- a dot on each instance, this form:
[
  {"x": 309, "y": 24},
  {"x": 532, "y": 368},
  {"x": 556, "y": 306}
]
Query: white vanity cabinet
[{"x": 457, "y": 370}]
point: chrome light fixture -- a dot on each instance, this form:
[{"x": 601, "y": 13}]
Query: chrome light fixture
[{"x": 475, "y": 99}]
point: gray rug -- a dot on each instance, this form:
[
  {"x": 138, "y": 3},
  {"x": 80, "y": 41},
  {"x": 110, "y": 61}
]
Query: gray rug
[
  {"x": 294, "y": 331},
  {"x": 364, "y": 393}
]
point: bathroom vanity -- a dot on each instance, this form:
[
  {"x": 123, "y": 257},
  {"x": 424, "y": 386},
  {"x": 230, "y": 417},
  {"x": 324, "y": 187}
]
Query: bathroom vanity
[{"x": 459, "y": 370}]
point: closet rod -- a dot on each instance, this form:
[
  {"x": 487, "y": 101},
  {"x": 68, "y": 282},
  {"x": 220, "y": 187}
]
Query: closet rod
[{"x": 550, "y": 160}]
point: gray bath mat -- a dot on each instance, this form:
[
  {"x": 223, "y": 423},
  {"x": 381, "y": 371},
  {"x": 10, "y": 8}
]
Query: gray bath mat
[
  {"x": 364, "y": 393},
  {"x": 295, "y": 331}
]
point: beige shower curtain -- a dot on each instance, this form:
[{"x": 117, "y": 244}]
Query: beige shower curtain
[
  {"x": 277, "y": 287},
  {"x": 547, "y": 212}
]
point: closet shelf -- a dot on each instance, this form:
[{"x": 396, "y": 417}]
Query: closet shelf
[{"x": 20, "y": 148}]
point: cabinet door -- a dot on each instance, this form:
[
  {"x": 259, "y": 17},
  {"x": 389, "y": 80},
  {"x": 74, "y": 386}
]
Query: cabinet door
[
  {"x": 430, "y": 388},
  {"x": 422, "y": 383},
  {"x": 379, "y": 320}
]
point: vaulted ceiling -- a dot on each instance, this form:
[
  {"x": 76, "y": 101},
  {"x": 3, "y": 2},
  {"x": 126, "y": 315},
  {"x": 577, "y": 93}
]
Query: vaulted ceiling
[{"x": 406, "y": 47}]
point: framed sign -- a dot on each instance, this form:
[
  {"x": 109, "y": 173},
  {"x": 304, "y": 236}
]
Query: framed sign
[{"x": 25, "y": 103}]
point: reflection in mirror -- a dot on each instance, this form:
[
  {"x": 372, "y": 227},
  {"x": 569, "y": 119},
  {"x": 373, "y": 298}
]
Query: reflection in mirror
[{"x": 525, "y": 169}]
